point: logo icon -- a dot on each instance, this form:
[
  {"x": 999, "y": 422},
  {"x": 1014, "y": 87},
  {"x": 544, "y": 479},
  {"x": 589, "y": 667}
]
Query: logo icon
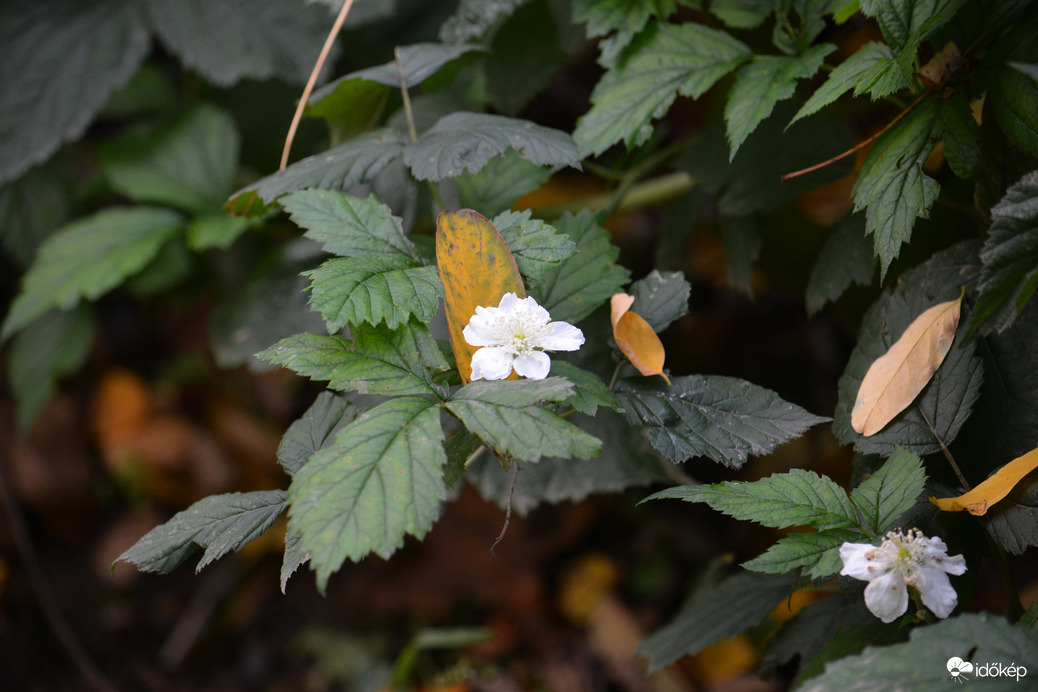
[{"x": 958, "y": 668}]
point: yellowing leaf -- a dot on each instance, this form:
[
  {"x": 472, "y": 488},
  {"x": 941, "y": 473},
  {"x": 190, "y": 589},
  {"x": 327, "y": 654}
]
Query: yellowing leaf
[
  {"x": 476, "y": 268},
  {"x": 635, "y": 337},
  {"x": 978, "y": 500},
  {"x": 895, "y": 379}
]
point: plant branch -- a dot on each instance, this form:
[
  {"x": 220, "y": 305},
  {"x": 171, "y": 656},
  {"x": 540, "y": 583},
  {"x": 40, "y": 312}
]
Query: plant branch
[
  {"x": 508, "y": 506},
  {"x": 328, "y": 43},
  {"x": 409, "y": 114}
]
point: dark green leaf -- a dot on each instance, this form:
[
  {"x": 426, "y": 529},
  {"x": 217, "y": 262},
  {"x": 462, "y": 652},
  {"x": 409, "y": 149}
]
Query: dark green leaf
[
  {"x": 920, "y": 663},
  {"x": 795, "y": 498},
  {"x": 663, "y": 61},
  {"x": 1014, "y": 526},
  {"x": 717, "y": 612},
  {"x": 742, "y": 239},
  {"x": 219, "y": 524},
  {"x": 295, "y": 557},
  {"x": 502, "y": 181},
  {"x": 59, "y": 62},
  {"x": 231, "y": 40},
  {"x": 348, "y": 226},
  {"x": 581, "y": 283},
  {"x": 891, "y": 491},
  {"x": 350, "y": 107},
  {"x": 459, "y": 448},
  {"x": 189, "y": 164},
  {"x": 374, "y": 289},
  {"x": 961, "y": 135},
  {"x": 473, "y": 18},
  {"x": 817, "y": 552},
  {"x": 661, "y": 298},
  {"x": 850, "y": 641},
  {"x": 467, "y": 141},
  {"x": 763, "y": 83},
  {"x": 537, "y": 247},
  {"x": 742, "y": 14},
  {"x": 90, "y": 257},
  {"x": 589, "y": 392},
  {"x": 32, "y": 207},
  {"x": 380, "y": 480},
  {"x": 418, "y": 62},
  {"x": 627, "y": 17},
  {"x": 215, "y": 230},
  {"x": 845, "y": 258},
  {"x": 814, "y": 626},
  {"x": 873, "y": 69},
  {"x": 891, "y": 185},
  {"x": 529, "y": 38},
  {"x": 314, "y": 431},
  {"x": 724, "y": 418},
  {"x": 907, "y": 20}
]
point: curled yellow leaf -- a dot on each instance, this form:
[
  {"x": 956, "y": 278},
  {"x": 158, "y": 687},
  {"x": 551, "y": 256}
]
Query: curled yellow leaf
[
  {"x": 635, "y": 337},
  {"x": 978, "y": 500},
  {"x": 895, "y": 379}
]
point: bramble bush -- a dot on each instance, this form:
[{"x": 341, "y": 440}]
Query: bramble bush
[{"x": 406, "y": 218}]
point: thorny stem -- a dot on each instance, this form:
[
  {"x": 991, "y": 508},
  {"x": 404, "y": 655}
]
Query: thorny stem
[
  {"x": 508, "y": 506},
  {"x": 328, "y": 43}
]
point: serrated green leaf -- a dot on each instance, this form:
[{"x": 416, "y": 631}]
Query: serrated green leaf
[
  {"x": 59, "y": 62},
  {"x": 314, "y": 430},
  {"x": 845, "y": 259},
  {"x": 818, "y": 552},
  {"x": 921, "y": 662},
  {"x": 294, "y": 558},
  {"x": 88, "y": 258},
  {"x": 379, "y": 360},
  {"x": 231, "y": 40},
  {"x": 742, "y": 238},
  {"x": 467, "y": 141},
  {"x": 724, "y": 418},
  {"x": 796, "y": 498},
  {"x": 474, "y": 17},
  {"x": 763, "y": 83},
  {"x": 661, "y": 299},
  {"x": 189, "y": 164},
  {"x": 589, "y": 392},
  {"x": 340, "y": 168},
  {"x": 32, "y": 207},
  {"x": 907, "y": 20},
  {"x": 53, "y": 346},
  {"x": 219, "y": 524},
  {"x": 581, "y": 283},
  {"x": 714, "y": 613},
  {"x": 891, "y": 491},
  {"x": 961, "y": 135},
  {"x": 374, "y": 289},
  {"x": 349, "y": 226},
  {"x": 627, "y": 17},
  {"x": 1009, "y": 258},
  {"x": 663, "y": 61},
  {"x": 873, "y": 69},
  {"x": 502, "y": 181},
  {"x": 948, "y": 399},
  {"x": 381, "y": 480},
  {"x": 418, "y": 62},
  {"x": 891, "y": 185},
  {"x": 506, "y": 416},
  {"x": 215, "y": 230},
  {"x": 537, "y": 247},
  {"x": 459, "y": 448}
]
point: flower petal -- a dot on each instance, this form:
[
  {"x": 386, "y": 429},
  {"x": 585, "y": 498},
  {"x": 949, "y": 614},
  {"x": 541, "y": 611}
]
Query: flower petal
[
  {"x": 562, "y": 336},
  {"x": 886, "y": 597},
  {"x": 482, "y": 332},
  {"x": 509, "y": 301},
  {"x": 856, "y": 563},
  {"x": 534, "y": 365},
  {"x": 936, "y": 591},
  {"x": 492, "y": 363},
  {"x": 533, "y": 312}
]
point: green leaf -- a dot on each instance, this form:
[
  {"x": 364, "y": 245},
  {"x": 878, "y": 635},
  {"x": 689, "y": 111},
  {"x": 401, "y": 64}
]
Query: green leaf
[
  {"x": 724, "y": 418},
  {"x": 459, "y": 448},
  {"x": 32, "y": 207},
  {"x": 742, "y": 14},
  {"x": 53, "y": 346},
  {"x": 340, "y": 168},
  {"x": 380, "y": 480},
  {"x": 1029, "y": 69},
  {"x": 742, "y": 240},
  {"x": 850, "y": 641},
  {"x": 59, "y": 62},
  {"x": 715, "y": 613},
  {"x": 948, "y": 399},
  {"x": 813, "y": 627},
  {"x": 378, "y": 360},
  {"x": 581, "y": 283},
  {"x": 763, "y": 83},
  {"x": 219, "y": 524},
  {"x": 921, "y": 662},
  {"x": 907, "y": 20},
  {"x": 215, "y": 230},
  {"x": 189, "y": 164},
  {"x": 796, "y": 498},
  {"x": 891, "y": 185},
  {"x": 1014, "y": 99},
  {"x": 818, "y": 552},
  {"x": 295, "y": 557},
  {"x": 473, "y": 18},
  {"x": 589, "y": 392},
  {"x": 661, "y": 299},
  {"x": 418, "y": 62},
  {"x": 663, "y": 61},
  {"x": 230, "y": 40},
  {"x": 90, "y": 257},
  {"x": 374, "y": 289},
  {"x": 350, "y": 107},
  {"x": 873, "y": 69},
  {"x": 891, "y": 491},
  {"x": 506, "y": 416},
  {"x": 467, "y": 141},
  {"x": 537, "y": 247},
  {"x": 845, "y": 259},
  {"x": 961, "y": 135},
  {"x": 315, "y": 430},
  {"x": 348, "y": 226},
  {"x": 627, "y": 17},
  {"x": 510, "y": 89},
  {"x": 502, "y": 181},
  {"x": 1009, "y": 271}
]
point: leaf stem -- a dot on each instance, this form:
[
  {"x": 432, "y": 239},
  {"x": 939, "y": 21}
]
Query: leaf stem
[
  {"x": 944, "y": 449},
  {"x": 328, "y": 43},
  {"x": 409, "y": 114},
  {"x": 508, "y": 506},
  {"x": 616, "y": 373}
]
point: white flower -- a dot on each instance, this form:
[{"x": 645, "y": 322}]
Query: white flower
[
  {"x": 900, "y": 561},
  {"x": 516, "y": 334}
]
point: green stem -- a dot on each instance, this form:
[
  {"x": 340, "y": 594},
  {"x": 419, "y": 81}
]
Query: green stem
[
  {"x": 616, "y": 373},
  {"x": 411, "y": 129},
  {"x": 650, "y": 193}
]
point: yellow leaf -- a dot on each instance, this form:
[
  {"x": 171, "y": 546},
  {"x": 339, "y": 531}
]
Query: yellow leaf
[
  {"x": 993, "y": 489},
  {"x": 895, "y": 379},
  {"x": 635, "y": 337},
  {"x": 476, "y": 268}
]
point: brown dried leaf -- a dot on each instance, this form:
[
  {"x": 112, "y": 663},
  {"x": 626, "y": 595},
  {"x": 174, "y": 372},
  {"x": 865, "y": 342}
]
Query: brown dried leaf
[{"x": 635, "y": 337}]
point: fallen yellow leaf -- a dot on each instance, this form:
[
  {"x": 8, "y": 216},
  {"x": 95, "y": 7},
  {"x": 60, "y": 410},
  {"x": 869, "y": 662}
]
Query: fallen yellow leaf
[
  {"x": 635, "y": 337},
  {"x": 978, "y": 500},
  {"x": 895, "y": 379},
  {"x": 476, "y": 268}
]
